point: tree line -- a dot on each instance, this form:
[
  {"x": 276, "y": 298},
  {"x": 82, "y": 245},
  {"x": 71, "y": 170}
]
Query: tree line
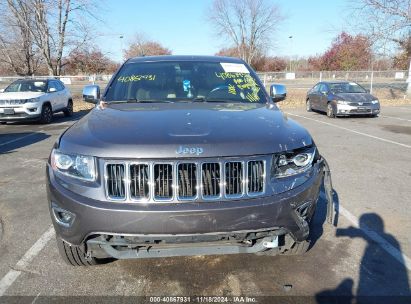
[{"x": 52, "y": 37}]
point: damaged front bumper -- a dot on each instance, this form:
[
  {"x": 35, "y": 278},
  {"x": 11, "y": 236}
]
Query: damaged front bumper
[{"x": 140, "y": 231}]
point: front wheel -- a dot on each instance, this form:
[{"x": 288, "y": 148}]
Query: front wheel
[
  {"x": 46, "y": 114},
  {"x": 308, "y": 106},
  {"x": 68, "y": 111},
  {"x": 330, "y": 111},
  {"x": 74, "y": 255}
]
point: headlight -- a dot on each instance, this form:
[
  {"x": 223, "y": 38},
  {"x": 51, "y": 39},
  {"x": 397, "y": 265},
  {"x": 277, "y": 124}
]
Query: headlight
[
  {"x": 342, "y": 102},
  {"x": 32, "y": 99},
  {"x": 77, "y": 166},
  {"x": 375, "y": 101},
  {"x": 292, "y": 163}
]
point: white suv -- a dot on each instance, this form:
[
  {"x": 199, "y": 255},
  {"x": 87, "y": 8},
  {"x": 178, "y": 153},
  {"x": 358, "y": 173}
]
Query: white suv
[{"x": 34, "y": 99}]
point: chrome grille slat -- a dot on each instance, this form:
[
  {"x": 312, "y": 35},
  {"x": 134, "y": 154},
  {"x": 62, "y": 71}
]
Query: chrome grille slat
[
  {"x": 211, "y": 180},
  {"x": 168, "y": 181},
  {"x": 234, "y": 178},
  {"x": 163, "y": 181},
  {"x": 255, "y": 176},
  {"x": 116, "y": 181},
  {"x": 139, "y": 177},
  {"x": 187, "y": 180}
]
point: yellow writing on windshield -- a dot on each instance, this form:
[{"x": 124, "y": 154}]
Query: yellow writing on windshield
[
  {"x": 242, "y": 83},
  {"x": 231, "y": 89},
  {"x": 134, "y": 78}
]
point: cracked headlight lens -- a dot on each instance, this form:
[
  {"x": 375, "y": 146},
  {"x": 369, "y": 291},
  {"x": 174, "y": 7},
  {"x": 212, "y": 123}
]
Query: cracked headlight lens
[
  {"x": 292, "y": 163},
  {"x": 77, "y": 166}
]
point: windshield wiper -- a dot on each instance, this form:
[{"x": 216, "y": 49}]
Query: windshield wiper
[
  {"x": 203, "y": 99},
  {"x": 135, "y": 100}
]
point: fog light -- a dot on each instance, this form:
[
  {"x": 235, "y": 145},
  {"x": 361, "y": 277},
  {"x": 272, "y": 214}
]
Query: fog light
[{"x": 63, "y": 217}]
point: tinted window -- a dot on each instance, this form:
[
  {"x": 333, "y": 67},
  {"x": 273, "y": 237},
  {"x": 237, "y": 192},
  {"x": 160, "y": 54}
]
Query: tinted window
[
  {"x": 323, "y": 88},
  {"x": 346, "y": 87},
  {"x": 53, "y": 84},
  {"x": 185, "y": 81},
  {"x": 59, "y": 85},
  {"x": 27, "y": 86},
  {"x": 316, "y": 88}
]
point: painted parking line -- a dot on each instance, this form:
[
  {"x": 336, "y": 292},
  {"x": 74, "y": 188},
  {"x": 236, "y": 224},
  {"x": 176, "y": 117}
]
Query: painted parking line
[
  {"x": 352, "y": 131},
  {"x": 382, "y": 242},
  {"x": 403, "y": 119},
  {"x": 22, "y": 264}
]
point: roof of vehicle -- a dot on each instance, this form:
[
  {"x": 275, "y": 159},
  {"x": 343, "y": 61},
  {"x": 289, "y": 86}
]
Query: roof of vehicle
[
  {"x": 35, "y": 79},
  {"x": 186, "y": 58},
  {"x": 338, "y": 81}
]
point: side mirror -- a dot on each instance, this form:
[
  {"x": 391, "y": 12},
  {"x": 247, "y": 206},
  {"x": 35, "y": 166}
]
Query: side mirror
[
  {"x": 278, "y": 92},
  {"x": 325, "y": 93},
  {"x": 1, "y": 90},
  {"x": 52, "y": 90},
  {"x": 91, "y": 93}
]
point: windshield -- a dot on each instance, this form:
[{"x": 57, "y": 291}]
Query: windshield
[
  {"x": 346, "y": 87},
  {"x": 27, "y": 86},
  {"x": 169, "y": 81}
]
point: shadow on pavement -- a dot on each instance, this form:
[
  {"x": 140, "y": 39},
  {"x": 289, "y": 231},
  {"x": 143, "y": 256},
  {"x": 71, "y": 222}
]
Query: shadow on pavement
[
  {"x": 382, "y": 277},
  {"x": 13, "y": 141}
]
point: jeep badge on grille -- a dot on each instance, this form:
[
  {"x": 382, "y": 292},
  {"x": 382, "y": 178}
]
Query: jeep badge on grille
[{"x": 189, "y": 150}]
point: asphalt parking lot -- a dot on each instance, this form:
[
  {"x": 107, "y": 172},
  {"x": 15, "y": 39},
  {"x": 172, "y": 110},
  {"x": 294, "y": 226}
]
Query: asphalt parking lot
[{"x": 368, "y": 254}]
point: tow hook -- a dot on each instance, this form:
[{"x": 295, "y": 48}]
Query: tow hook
[{"x": 272, "y": 244}]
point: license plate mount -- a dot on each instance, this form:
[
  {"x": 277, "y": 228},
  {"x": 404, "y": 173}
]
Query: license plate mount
[{"x": 9, "y": 111}]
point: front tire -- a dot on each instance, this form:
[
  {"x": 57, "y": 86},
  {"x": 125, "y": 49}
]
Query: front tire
[
  {"x": 330, "y": 111},
  {"x": 308, "y": 106},
  {"x": 46, "y": 114},
  {"x": 74, "y": 255},
  {"x": 68, "y": 111}
]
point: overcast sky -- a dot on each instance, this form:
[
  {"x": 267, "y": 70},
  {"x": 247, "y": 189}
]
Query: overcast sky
[{"x": 181, "y": 25}]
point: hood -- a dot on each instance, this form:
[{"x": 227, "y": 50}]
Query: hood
[
  {"x": 356, "y": 97},
  {"x": 160, "y": 130},
  {"x": 19, "y": 95}
]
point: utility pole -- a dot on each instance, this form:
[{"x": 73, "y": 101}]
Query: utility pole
[{"x": 291, "y": 50}]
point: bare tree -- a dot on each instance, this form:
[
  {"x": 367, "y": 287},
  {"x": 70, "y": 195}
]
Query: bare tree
[
  {"x": 143, "y": 46},
  {"x": 56, "y": 26},
  {"x": 248, "y": 24},
  {"x": 387, "y": 23},
  {"x": 17, "y": 48}
]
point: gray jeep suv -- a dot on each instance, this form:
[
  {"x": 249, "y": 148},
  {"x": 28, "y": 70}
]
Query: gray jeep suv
[{"x": 183, "y": 155}]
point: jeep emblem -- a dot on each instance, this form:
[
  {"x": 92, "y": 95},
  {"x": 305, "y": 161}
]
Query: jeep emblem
[{"x": 189, "y": 150}]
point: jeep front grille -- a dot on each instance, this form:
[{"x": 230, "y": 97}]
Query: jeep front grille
[{"x": 184, "y": 181}]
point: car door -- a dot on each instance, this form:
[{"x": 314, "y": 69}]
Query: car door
[
  {"x": 323, "y": 97},
  {"x": 314, "y": 96},
  {"x": 63, "y": 94},
  {"x": 55, "y": 95}
]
